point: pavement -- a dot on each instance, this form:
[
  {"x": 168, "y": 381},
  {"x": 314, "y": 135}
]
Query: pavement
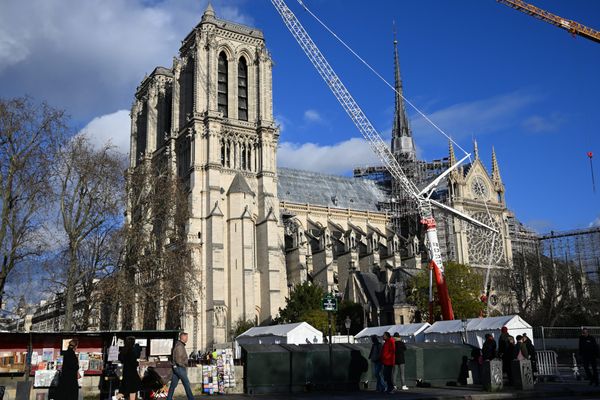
[{"x": 564, "y": 389}]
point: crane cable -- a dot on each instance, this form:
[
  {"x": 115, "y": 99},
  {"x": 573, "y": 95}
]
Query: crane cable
[
  {"x": 490, "y": 259},
  {"x": 381, "y": 77}
]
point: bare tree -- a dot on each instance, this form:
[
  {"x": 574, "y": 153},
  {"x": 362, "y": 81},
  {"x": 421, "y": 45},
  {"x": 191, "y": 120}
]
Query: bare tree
[
  {"x": 28, "y": 134},
  {"x": 90, "y": 196},
  {"x": 157, "y": 258}
]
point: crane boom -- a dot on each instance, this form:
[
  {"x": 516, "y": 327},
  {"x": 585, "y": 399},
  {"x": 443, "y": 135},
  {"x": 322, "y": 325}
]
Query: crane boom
[
  {"x": 574, "y": 27},
  {"x": 377, "y": 144}
]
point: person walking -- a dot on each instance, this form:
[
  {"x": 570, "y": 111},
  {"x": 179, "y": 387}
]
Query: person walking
[
  {"x": 68, "y": 387},
  {"x": 388, "y": 359},
  {"x": 400, "y": 361},
  {"x": 128, "y": 356},
  {"x": 375, "y": 358},
  {"x": 180, "y": 361},
  {"x": 588, "y": 351},
  {"x": 489, "y": 348}
]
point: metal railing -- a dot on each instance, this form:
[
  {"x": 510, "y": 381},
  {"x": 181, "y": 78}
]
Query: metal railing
[{"x": 561, "y": 336}]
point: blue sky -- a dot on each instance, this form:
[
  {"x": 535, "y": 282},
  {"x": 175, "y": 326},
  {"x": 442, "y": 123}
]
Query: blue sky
[{"x": 479, "y": 69}]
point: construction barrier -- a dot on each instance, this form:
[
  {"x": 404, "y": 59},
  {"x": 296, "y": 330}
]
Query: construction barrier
[{"x": 547, "y": 363}]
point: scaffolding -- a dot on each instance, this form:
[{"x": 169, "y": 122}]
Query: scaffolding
[{"x": 580, "y": 247}]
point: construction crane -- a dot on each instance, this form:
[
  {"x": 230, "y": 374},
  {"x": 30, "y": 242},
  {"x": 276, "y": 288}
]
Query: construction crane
[
  {"x": 422, "y": 197},
  {"x": 574, "y": 27}
]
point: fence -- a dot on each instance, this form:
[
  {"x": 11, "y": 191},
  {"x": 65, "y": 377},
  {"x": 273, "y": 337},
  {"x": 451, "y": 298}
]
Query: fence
[
  {"x": 561, "y": 337},
  {"x": 547, "y": 363}
]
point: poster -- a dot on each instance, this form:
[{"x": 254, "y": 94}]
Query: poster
[
  {"x": 47, "y": 355},
  {"x": 161, "y": 347},
  {"x": 142, "y": 342}
]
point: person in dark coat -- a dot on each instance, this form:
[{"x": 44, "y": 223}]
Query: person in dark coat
[
  {"x": 388, "y": 359},
  {"x": 507, "y": 358},
  {"x": 68, "y": 387},
  {"x": 375, "y": 358},
  {"x": 128, "y": 356},
  {"x": 531, "y": 352},
  {"x": 489, "y": 347},
  {"x": 400, "y": 360},
  {"x": 588, "y": 351}
]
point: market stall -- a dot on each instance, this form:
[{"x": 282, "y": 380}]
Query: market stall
[
  {"x": 297, "y": 333},
  {"x": 474, "y": 330},
  {"x": 410, "y": 333}
]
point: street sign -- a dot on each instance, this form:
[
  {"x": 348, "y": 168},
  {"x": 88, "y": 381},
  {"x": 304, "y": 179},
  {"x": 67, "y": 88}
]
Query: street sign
[{"x": 329, "y": 303}]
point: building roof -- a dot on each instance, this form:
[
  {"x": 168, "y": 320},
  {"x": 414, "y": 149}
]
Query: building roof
[
  {"x": 306, "y": 187},
  {"x": 276, "y": 330},
  {"x": 239, "y": 185}
]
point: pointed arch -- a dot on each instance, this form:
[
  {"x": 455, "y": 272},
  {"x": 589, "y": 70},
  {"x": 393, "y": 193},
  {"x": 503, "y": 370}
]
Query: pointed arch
[
  {"x": 242, "y": 89},
  {"x": 222, "y": 82}
]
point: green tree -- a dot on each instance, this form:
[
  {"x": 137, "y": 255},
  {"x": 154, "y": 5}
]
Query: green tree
[
  {"x": 241, "y": 326},
  {"x": 304, "y": 305},
  {"x": 464, "y": 288}
]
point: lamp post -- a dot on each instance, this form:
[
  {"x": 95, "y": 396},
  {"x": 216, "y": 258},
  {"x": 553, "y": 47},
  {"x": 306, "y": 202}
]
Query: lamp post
[
  {"x": 347, "y": 324},
  {"x": 464, "y": 326}
]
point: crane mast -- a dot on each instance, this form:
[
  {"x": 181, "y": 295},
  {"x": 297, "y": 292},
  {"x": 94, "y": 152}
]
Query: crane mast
[
  {"x": 377, "y": 144},
  {"x": 574, "y": 27}
]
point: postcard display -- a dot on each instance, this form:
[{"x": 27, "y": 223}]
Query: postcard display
[
  {"x": 47, "y": 362},
  {"x": 216, "y": 378}
]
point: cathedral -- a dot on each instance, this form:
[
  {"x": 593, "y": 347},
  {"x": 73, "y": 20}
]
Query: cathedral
[{"x": 255, "y": 230}]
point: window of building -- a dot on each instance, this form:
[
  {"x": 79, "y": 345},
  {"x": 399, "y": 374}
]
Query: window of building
[
  {"x": 222, "y": 84},
  {"x": 242, "y": 89}
]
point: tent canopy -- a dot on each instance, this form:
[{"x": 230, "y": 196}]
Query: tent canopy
[
  {"x": 479, "y": 324},
  {"x": 282, "y": 330},
  {"x": 406, "y": 330}
]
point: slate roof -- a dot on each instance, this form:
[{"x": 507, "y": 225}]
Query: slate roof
[
  {"x": 239, "y": 185},
  {"x": 328, "y": 190}
]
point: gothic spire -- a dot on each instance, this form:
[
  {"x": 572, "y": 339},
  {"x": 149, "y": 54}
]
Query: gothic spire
[
  {"x": 209, "y": 12},
  {"x": 451, "y": 156},
  {"x": 475, "y": 149},
  {"x": 402, "y": 141},
  {"x": 495, "y": 168}
]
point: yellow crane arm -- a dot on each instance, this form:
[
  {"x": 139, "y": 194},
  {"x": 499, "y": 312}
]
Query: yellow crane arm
[{"x": 574, "y": 27}]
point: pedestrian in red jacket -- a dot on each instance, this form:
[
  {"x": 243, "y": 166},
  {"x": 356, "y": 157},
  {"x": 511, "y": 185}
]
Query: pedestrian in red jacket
[{"x": 388, "y": 358}]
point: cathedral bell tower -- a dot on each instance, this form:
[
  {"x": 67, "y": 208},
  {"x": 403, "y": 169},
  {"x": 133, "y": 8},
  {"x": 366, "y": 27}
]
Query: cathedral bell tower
[{"x": 221, "y": 141}]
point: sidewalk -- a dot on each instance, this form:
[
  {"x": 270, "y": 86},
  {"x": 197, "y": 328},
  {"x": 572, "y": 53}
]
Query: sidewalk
[{"x": 564, "y": 390}]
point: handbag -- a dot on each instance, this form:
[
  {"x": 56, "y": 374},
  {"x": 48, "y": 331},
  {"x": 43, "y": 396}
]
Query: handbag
[{"x": 113, "y": 350}]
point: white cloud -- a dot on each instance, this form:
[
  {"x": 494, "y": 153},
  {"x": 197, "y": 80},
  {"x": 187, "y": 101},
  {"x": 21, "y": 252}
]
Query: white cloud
[
  {"x": 595, "y": 222},
  {"x": 340, "y": 158},
  {"x": 111, "y": 129},
  {"x": 312, "y": 116},
  {"x": 541, "y": 124},
  {"x": 478, "y": 117},
  {"x": 282, "y": 121},
  {"x": 88, "y": 56}
]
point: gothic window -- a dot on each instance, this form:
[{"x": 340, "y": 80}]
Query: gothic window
[
  {"x": 228, "y": 154},
  {"x": 183, "y": 157},
  {"x": 222, "y": 84},
  {"x": 163, "y": 119},
  {"x": 242, "y": 89},
  {"x": 222, "y": 152},
  {"x": 141, "y": 127},
  {"x": 243, "y": 151},
  {"x": 484, "y": 246},
  {"x": 248, "y": 158},
  {"x": 186, "y": 92}
]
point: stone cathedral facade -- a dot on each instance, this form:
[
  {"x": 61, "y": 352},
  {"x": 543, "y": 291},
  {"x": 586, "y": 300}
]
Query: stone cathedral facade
[{"x": 255, "y": 230}]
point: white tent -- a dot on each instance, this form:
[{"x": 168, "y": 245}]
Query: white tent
[
  {"x": 298, "y": 333},
  {"x": 412, "y": 333},
  {"x": 453, "y": 331}
]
